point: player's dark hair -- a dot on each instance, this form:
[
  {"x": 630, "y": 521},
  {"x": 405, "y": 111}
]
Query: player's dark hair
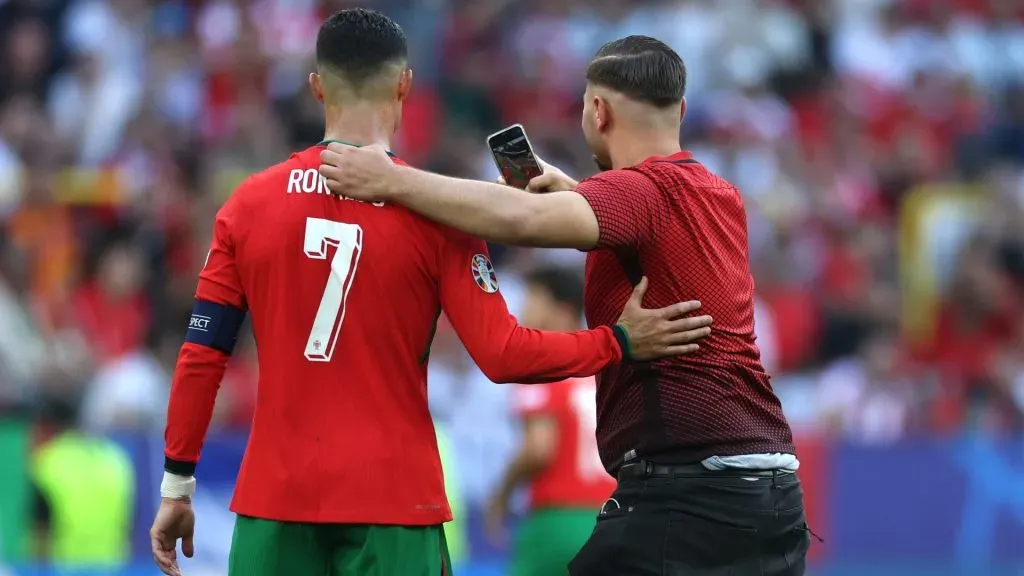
[
  {"x": 642, "y": 68},
  {"x": 564, "y": 286},
  {"x": 357, "y": 43}
]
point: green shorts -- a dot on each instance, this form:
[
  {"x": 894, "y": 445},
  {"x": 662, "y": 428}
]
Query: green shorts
[
  {"x": 270, "y": 548},
  {"x": 549, "y": 538}
]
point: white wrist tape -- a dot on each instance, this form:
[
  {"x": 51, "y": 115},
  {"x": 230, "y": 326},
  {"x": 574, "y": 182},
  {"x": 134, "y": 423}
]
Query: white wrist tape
[{"x": 177, "y": 487}]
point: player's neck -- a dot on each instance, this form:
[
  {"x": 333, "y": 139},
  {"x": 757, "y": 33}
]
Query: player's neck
[
  {"x": 360, "y": 125},
  {"x": 630, "y": 151}
]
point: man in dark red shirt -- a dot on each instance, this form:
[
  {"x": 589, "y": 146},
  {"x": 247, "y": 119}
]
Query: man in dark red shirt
[
  {"x": 703, "y": 455},
  {"x": 341, "y": 475}
]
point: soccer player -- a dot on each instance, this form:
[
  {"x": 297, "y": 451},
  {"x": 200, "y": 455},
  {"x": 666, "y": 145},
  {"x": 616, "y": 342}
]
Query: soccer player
[
  {"x": 558, "y": 455},
  {"x": 703, "y": 455},
  {"x": 342, "y": 474}
]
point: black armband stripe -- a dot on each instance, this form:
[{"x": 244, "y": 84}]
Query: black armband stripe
[
  {"x": 179, "y": 468},
  {"x": 215, "y": 325}
]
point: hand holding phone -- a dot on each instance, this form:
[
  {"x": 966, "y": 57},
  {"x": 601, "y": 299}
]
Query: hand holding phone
[
  {"x": 514, "y": 156},
  {"x": 551, "y": 180}
]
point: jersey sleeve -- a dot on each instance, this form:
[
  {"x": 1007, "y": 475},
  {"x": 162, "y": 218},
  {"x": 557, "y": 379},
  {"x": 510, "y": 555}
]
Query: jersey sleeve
[
  {"x": 505, "y": 351},
  {"x": 625, "y": 203},
  {"x": 217, "y": 316}
]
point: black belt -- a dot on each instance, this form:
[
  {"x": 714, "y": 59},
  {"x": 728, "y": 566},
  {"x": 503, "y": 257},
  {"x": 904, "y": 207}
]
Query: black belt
[{"x": 647, "y": 469}]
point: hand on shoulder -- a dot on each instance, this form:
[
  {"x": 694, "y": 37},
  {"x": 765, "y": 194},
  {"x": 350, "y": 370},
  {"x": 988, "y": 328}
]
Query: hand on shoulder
[{"x": 359, "y": 172}]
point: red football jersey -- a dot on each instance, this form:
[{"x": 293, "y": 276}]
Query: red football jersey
[
  {"x": 576, "y": 477},
  {"x": 344, "y": 297},
  {"x": 671, "y": 219}
]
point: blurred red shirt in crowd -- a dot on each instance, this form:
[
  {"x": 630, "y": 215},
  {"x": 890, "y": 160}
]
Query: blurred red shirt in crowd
[
  {"x": 111, "y": 310},
  {"x": 974, "y": 326}
]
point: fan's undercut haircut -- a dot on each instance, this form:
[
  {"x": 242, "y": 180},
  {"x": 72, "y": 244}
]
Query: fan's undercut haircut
[{"x": 642, "y": 68}]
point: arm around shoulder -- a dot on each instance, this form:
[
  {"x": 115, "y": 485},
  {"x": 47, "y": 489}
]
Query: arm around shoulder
[
  {"x": 559, "y": 220},
  {"x": 499, "y": 213}
]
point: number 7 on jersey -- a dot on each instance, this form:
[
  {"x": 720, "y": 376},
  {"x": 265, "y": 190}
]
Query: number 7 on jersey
[{"x": 348, "y": 241}]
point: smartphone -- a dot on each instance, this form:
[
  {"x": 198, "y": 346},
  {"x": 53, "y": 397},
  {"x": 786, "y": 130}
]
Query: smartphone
[{"x": 514, "y": 156}]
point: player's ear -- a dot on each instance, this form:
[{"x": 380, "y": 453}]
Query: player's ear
[
  {"x": 682, "y": 110},
  {"x": 404, "y": 84},
  {"x": 316, "y": 85}
]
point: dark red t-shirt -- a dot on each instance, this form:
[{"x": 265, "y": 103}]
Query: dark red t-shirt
[{"x": 671, "y": 219}]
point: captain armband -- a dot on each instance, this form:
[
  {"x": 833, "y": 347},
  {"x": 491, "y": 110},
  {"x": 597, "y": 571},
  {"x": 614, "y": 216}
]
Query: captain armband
[{"x": 215, "y": 325}]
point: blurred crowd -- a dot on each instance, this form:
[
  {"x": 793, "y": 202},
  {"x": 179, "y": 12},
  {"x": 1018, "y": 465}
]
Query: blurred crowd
[{"x": 879, "y": 145}]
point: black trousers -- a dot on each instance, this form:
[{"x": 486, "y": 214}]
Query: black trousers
[{"x": 687, "y": 521}]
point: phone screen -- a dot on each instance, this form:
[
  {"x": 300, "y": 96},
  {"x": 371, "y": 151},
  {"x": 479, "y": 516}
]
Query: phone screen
[{"x": 514, "y": 157}]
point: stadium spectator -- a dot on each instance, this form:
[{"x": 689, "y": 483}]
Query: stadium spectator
[{"x": 85, "y": 490}]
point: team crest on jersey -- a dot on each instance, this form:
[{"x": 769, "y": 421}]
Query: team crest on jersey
[{"x": 483, "y": 273}]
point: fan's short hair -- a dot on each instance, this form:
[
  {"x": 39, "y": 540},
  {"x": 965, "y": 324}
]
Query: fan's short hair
[
  {"x": 642, "y": 68},
  {"x": 358, "y": 43}
]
